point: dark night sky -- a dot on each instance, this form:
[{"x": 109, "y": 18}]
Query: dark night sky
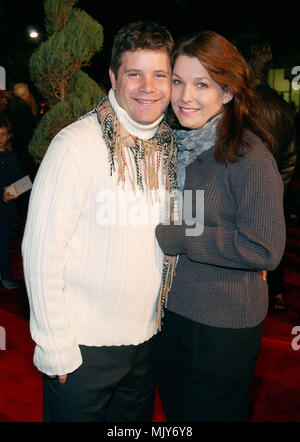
[{"x": 278, "y": 24}]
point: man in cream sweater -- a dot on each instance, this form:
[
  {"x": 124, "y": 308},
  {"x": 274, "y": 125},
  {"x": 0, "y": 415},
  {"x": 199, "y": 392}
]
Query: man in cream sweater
[{"x": 93, "y": 267}]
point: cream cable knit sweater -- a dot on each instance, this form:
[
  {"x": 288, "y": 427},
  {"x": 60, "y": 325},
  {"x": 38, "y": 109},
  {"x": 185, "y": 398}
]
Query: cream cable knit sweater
[{"x": 92, "y": 278}]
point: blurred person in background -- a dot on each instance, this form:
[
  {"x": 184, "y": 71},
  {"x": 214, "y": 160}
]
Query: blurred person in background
[
  {"x": 10, "y": 171},
  {"x": 22, "y": 91},
  {"x": 278, "y": 117}
]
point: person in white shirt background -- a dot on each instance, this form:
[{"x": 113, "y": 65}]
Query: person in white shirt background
[{"x": 93, "y": 272}]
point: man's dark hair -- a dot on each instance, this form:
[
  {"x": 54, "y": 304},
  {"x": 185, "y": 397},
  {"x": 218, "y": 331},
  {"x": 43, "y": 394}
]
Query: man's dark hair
[{"x": 140, "y": 35}]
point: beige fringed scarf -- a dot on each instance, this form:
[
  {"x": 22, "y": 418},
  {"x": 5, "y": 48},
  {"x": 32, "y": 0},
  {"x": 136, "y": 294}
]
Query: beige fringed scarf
[{"x": 143, "y": 166}]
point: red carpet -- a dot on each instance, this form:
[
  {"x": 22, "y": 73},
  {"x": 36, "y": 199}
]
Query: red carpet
[{"x": 275, "y": 390}]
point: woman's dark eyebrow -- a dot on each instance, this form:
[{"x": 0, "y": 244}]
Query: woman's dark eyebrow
[{"x": 197, "y": 78}]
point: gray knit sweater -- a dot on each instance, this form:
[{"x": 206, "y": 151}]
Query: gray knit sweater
[{"x": 216, "y": 281}]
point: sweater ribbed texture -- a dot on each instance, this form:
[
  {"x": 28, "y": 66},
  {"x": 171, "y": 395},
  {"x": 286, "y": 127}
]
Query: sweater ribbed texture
[
  {"x": 216, "y": 281},
  {"x": 88, "y": 283}
]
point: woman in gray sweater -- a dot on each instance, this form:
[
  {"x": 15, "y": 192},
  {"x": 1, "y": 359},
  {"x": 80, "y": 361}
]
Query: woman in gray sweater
[{"x": 215, "y": 310}]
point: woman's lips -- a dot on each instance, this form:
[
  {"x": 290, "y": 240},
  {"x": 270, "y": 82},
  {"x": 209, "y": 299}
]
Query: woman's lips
[{"x": 187, "y": 110}]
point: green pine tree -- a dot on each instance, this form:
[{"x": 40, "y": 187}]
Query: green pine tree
[{"x": 55, "y": 68}]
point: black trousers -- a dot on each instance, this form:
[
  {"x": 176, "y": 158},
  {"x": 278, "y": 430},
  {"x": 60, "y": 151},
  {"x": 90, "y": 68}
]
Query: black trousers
[
  {"x": 204, "y": 371},
  {"x": 113, "y": 384},
  {"x": 275, "y": 279}
]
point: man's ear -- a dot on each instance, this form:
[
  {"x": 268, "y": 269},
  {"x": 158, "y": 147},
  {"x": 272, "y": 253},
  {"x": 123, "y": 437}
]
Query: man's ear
[
  {"x": 112, "y": 78},
  {"x": 227, "y": 97}
]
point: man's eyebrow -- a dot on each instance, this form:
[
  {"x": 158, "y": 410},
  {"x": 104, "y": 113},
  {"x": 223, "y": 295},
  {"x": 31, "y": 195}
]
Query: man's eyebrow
[{"x": 132, "y": 69}]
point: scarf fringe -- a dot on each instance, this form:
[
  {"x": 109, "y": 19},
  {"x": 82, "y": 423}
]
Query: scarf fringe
[{"x": 168, "y": 275}]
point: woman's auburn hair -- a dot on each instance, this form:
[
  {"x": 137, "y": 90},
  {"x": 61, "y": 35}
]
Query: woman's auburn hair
[{"x": 229, "y": 69}]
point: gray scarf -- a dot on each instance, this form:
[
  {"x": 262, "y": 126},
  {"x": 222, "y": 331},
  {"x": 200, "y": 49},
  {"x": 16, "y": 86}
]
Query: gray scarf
[{"x": 191, "y": 143}]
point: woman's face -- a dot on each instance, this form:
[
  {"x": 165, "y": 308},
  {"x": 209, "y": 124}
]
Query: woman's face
[{"x": 195, "y": 96}]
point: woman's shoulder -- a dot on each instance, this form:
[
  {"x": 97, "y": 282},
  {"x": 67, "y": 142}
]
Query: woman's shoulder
[
  {"x": 255, "y": 149},
  {"x": 257, "y": 160}
]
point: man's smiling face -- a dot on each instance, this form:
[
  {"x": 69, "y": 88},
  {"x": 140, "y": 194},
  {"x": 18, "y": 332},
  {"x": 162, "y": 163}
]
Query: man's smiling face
[{"x": 143, "y": 85}]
